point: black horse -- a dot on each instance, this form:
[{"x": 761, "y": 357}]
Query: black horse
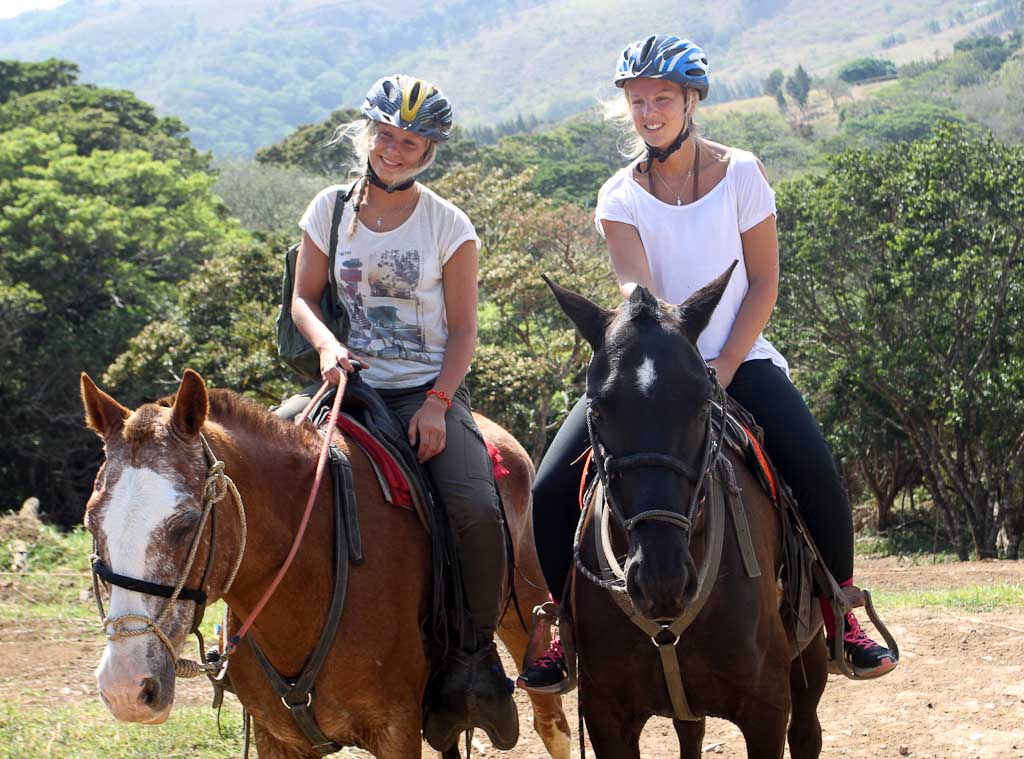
[{"x": 656, "y": 413}]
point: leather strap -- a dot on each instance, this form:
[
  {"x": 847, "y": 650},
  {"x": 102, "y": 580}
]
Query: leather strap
[
  {"x": 297, "y": 696},
  {"x": 196, "y": 595}
]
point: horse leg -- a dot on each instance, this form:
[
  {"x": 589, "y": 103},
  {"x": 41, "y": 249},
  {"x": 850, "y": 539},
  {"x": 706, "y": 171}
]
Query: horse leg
[
  {"x": 765, "y": 716},
  {"x": 613, "y": 734},
  {"x": 691, "y": 737},
  {"x": 804, "y": 727}
]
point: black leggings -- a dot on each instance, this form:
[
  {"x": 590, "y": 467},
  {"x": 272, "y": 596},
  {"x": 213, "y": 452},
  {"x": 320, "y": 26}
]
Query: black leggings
[{"x": 792, "y": 439}]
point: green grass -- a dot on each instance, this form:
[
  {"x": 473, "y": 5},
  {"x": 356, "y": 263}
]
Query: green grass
[
  {"x": 969, "y": 598},
  {"x": 88, "y": 731}
]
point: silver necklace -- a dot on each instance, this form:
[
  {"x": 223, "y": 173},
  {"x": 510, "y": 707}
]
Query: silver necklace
[
  {"x": 380, "y": 217},
  {"x": 689, "y": 175}
]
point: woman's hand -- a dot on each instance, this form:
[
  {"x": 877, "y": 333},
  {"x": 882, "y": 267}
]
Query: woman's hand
[
  {"x": 724, "y": 370},
  {"x": 427, "y": 425},
  {"x": 331, "y": 357}
]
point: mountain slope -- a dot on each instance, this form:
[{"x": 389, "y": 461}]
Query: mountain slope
[{"x": 242, "y": 73}]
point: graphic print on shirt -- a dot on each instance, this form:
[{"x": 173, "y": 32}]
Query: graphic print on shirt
[{"x": 386, "y": 315}]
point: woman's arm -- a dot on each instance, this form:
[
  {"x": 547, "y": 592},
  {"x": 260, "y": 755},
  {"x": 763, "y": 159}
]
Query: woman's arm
[
  {"x": 761, "y": 258},
  {"x": 459, "y": 279},
  {"x": 311, "y": 277},
  {"x": 628, "y": 256}
]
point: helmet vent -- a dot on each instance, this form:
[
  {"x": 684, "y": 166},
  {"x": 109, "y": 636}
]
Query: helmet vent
[{"x": 646, "y": 52}]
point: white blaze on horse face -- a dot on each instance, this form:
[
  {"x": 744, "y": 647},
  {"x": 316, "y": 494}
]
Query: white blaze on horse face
[
  {"x": 645, "y": 376},
  {"x": 139, "y": 503}
]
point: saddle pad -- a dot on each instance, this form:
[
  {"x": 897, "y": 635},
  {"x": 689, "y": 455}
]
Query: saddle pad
[
  {"x": 397, "y": 490},
  {"x": 400, "y": 493}
]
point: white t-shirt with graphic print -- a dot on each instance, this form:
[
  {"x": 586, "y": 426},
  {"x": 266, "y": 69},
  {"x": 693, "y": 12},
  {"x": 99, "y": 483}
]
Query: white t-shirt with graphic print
[
  {"x": 390, "y": 284},
  {"x": 688, "y": 246}
]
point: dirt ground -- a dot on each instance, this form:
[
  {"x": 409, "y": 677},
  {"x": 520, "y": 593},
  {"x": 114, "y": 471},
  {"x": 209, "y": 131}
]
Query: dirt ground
[{"x": 959, "y": 690}]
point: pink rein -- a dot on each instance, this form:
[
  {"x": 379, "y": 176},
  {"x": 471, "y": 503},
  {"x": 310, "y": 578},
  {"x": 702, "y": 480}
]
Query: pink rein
[{"x": 320, "y": 466}]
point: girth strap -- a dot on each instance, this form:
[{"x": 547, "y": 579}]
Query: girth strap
[
  {"x": 742, "y": 527},
  {"x": 297, "y": 695}
]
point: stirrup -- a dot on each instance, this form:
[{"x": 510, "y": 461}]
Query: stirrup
[
  {"x": 853, "y": 597},
  {"x": 544, "y": 616}
]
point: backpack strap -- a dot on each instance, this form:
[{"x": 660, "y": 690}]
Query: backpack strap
[{"x": 341, "y": 199}]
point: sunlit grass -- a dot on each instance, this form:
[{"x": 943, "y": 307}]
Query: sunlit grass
[{"x": 969, "y": 598}]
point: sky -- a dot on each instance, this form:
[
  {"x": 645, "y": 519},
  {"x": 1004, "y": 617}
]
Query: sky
[{"x": 11, "y": 8}]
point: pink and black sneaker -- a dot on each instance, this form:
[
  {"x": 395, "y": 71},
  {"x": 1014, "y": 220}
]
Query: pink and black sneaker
[
  {"x": 866, "y": 658},
  {"x": 548, "y": 673}
]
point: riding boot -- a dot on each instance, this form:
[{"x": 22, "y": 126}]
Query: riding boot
[{"x": 472, "y": 691}]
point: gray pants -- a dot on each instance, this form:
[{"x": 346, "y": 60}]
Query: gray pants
[{"x": 465, "y": 478}]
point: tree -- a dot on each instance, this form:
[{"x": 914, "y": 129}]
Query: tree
[
  {"x": 835, "y": 88},
  {"x": 92, "y": 249},
  {"x": 904, "y": 273},
  {"x": 772, "y": 85},
  {"x": 863, "y": 69},
  {"x": 21, "y": 78},
  {"x": 799, "y": 86},
  {"x": 529, "y": 365}
]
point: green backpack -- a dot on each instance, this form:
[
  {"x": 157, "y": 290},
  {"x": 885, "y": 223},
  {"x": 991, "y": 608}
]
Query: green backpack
[{"x": 292, "y": 347}]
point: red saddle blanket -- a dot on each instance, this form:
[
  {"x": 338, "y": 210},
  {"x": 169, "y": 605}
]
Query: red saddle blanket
[{"x": 390, "y": 470}]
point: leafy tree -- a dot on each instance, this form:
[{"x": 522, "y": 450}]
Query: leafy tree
[
  {"x": 903, "y": 274},
  {"x": 862, "y": 69},
  {"x": 92, "y": 247},
  {"x": 529, "y": 364},
  {"x": 799, "y": 86},
  {"x": 220, "y": 323},
  {"x": 267, "y": 197},
  {"x": 21, "y": 78},
  {"x": 772, "y": 85},
  {"x": 900, "y": 122},
  {"x": 93, "y": 118}
]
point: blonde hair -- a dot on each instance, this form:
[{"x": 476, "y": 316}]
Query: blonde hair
[
  {"x": 630, "y": 143},
  {"x": 361, "y": 134}
]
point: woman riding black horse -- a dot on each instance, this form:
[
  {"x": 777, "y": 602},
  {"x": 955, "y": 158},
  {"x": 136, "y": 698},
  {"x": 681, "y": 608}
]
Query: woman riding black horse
[{"x": 675, "y": 218}]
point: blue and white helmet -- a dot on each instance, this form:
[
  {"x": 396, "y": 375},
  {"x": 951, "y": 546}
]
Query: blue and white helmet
[
  {"x": 665, "y": 56},
  {"x": 411, "y": 104}
]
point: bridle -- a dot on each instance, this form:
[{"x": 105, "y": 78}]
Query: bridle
[
  {"x": 215, "y": 489},
  {"x": 609, "y": 466},
  {"x": 714, "y": 483}
]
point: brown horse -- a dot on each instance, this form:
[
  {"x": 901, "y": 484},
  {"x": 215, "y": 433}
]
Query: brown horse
[
  {"x": 652, "y": 401},
  {"x": 145, "y": 513}
]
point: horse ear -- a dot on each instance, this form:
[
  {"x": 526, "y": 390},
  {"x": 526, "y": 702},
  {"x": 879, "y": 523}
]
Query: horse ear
[
  {"x": 102, "y": 413},
  {"x": 590, "y": 319},
  {"x": 695, "y": 312},
  {"x": 191, "y": 405}
]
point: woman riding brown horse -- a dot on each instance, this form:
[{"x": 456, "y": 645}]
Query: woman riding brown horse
[
  {"x": 146, "y": 516},
  {"x": 689, "y": 644}
]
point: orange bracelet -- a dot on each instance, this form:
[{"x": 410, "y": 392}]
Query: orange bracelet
[{"x": 440, "y": 394}]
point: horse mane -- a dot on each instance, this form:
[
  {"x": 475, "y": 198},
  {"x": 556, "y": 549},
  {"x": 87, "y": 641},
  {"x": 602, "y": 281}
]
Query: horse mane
[{"x": 230, "y": 409}]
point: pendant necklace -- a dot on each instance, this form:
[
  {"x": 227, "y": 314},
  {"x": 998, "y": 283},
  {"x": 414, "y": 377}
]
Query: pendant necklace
[{"x": 691, "y": 173}]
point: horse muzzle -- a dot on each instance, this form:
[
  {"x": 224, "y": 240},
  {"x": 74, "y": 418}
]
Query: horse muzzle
[
  {"x": 659, "y": 585},
  {"x": 136, "y": 684}
]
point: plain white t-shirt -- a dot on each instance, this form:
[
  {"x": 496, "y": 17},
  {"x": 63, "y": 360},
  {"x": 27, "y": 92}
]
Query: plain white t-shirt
[
  {"x": 390, "y": 284},
  {"x": 688, "y": 246}
]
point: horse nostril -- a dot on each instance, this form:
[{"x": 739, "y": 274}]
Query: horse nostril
[{"x": 150, "y": 691}]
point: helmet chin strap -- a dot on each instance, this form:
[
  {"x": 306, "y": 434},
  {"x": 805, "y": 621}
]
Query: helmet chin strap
[
  {"x": 663, "y": 153},
  {"x": 376, "y": 181}
]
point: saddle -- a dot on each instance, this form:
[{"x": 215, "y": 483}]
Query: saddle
[{"x": 405, "y": 483}]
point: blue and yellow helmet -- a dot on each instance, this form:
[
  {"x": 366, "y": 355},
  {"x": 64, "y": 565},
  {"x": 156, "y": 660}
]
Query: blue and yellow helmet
[
  {"x": 411, "y": 104},
  {"x": 665, "y": 56}
]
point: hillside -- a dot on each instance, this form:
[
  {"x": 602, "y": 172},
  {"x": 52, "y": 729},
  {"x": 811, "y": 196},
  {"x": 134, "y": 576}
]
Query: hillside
[{"x": 243, "y": 73}]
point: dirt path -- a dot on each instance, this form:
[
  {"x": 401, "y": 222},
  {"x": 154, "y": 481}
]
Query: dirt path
[{"x": 959, "y": 691}]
